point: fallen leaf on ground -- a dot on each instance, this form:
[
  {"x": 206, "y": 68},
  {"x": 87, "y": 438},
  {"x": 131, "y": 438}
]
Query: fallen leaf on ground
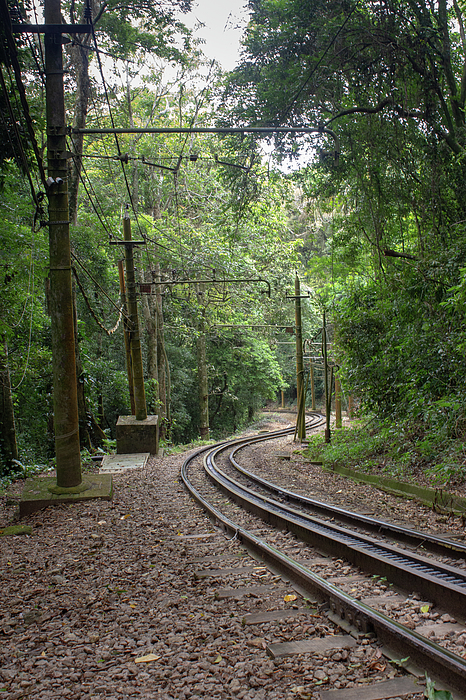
[{"x": 145, "y": 659}]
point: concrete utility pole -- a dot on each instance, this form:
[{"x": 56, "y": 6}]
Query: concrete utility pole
[
  {"x": 67, "y": 450},
  {"x": 68, "y": 486}
]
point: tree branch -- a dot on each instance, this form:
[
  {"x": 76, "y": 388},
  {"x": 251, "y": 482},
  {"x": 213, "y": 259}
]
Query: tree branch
[
  {"x": 393, "y": 254},
  {"x": 362, "y": 110}
]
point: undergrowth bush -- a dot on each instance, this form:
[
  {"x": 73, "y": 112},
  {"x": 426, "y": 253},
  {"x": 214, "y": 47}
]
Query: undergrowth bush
[{"x": 402, "y": 450}]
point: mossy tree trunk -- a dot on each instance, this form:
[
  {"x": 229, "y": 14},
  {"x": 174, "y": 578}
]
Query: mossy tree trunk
[{"x": 8, "y": 445}]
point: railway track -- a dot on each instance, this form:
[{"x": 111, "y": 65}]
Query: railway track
[{"x": 312, "y": 552}]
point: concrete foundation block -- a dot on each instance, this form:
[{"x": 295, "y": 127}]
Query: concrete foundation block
[
  {"x": 133, "y": 436},
  {"x": 38, "y": 492}
]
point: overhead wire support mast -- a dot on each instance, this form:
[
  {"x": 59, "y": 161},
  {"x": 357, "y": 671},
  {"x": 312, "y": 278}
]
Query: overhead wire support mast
[
  {"x": 300, "y": 390},
  {"x": 66, "y": 423}
]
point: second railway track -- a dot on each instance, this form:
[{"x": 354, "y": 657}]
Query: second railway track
[{"x": 395, "y": 579}]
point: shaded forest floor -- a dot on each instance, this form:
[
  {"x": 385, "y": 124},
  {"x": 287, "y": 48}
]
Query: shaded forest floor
[{"x": 100, "y": 600}]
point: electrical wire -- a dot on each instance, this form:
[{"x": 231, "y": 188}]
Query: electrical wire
[
  {"x": 6, "y": 124},
  {"x": 93, "y": 197},
  {"x": 29, "y": 345},
  {"x": 112, "y": 121},
  {"x": 13, "y": 55},
  {"x": 40, "y": 64},
  {"x": 22, "y": 154},
  {"x": 81, "y": 264},
  {"x": 30, "y": 295},
  {"x": 113, "y": 176},
  {"x": 110, "y": 331}
]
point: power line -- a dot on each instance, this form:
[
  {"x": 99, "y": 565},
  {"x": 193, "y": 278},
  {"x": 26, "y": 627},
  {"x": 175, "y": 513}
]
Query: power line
[
  {"x": 110, "y": 331},
  {"x": 4, "y": 13},
  {"x": 22, "y": 153},
  {"x": 109, "y": 158},
  {"x": 113, "y": 126},
  {"x": 81, "y": 264},
  {"x": 91, "y": 199}
]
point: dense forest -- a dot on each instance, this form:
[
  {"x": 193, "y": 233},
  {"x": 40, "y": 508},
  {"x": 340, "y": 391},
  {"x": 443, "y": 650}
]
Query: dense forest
[{"x": 376, "y": 232}]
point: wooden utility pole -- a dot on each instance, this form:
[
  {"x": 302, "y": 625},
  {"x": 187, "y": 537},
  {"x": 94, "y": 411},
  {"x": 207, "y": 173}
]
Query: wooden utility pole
[
  {"x": 301, "y": 417},
  {"x": 65, "y": 402},
  {"x": 136, "y": 354}
]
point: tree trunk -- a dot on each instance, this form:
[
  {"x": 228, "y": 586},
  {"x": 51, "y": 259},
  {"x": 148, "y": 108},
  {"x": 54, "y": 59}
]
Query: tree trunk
[
  {"x": 149, "y": 312},
  {"x": 90, "y": 433},
  {"x": 8, "y": 446},
  {"x": 80, "y": 58},
  {"x": 203, "y": 385}
]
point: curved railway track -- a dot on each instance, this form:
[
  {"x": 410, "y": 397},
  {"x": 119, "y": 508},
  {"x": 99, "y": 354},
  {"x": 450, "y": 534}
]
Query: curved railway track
[{"x": 389, "y": 556}]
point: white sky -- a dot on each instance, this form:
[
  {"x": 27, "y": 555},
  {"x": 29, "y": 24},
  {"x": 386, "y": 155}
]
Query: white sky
[{"x": 224, "y": 21}]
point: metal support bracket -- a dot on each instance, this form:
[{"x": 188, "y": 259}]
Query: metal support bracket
[{"x": 59, "y": 155}]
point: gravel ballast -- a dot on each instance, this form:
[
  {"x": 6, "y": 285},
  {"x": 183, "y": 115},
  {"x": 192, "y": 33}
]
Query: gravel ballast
[{"x": 102, "y": 600}]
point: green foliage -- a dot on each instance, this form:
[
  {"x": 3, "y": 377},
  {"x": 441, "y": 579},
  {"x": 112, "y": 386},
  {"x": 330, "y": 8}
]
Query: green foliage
[
  {"x": 24, "y": 325},
  {"x": 380, "y": 234},
  {"x": 400, "y": 349},
  {"x": 432, "y": 694},
  {"x": 402, "y": 450},
  {"x": 350, "y": 447},
  {"x": 243, "y": 373}
]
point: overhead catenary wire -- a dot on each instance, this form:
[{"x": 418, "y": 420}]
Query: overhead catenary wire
[
  {"x": 93, "y": 199},
  {"x": 13, "y": 55},
  {"x": 110, "y": 331},
  {"x": 172, "y": 169},
  {"x": 22, "y": 155},
  {"x": 176, "y": 169},
  {"x": 113, "y": 126},
  {"x": 41, "y": 50},
  {"x": 109, "y": 158}
]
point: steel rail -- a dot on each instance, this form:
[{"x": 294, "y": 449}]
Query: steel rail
[
  {"x": 439, "y": 545},
  {"x": 441, "y": 664},
  {"x": 443, "y": 585}
]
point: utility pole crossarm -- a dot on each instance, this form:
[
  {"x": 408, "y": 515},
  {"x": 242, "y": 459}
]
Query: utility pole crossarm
[
  {"x": 171, "y": 283},
  {"x": 51, "y": 28}
]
